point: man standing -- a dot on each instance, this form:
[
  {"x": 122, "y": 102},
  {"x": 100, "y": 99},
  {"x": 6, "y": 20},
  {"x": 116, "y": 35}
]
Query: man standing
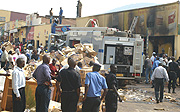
[
  {"x": 70, "y": 83},
  {"x": 79, "y": 7},
  {"x": 158, "y": 77},
  {"x": 148, "y": 68},
  {"x": 94, "y": 83},
  {"x": 43, "y": 76},
  {"x": 51, "y": 15},
  {"x": 18, "y": 86},
  {"x": 173, "y": 70},
  {"x": 4, "y": 58},
  {"x": 112, "y": 94},
  {"x": 60, "y": 15}
]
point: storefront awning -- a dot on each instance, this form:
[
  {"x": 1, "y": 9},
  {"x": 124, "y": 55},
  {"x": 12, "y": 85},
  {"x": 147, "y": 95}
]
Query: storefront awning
[{"x": 13, "y": 31}]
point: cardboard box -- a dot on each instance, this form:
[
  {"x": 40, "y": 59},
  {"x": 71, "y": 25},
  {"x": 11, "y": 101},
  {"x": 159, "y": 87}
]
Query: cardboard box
[
  {"x": 83, "y": 72},
  {"x": 88, "y": 45},
  {"x": 91, "y": 52},
  {"x": 86, "y": 60},
  {"x": 77, "y": 57},
  {"x": 103, "y": 72}
]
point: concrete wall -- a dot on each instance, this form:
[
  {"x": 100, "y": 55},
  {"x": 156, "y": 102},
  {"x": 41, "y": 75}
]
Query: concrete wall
[
  {"x": 41, "y": 33},
  {"x": 6, "y": 14}
]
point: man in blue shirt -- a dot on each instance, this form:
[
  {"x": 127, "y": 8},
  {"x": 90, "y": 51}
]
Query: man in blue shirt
[
  {"x": 156, "y": 63},
  {"x": 43, "y": 76},
  {"x": 60, "y": 15},
  {"x": 94, "y": 83}
]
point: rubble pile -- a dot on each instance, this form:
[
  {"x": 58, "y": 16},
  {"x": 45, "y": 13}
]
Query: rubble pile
[{"x": 135, "y": 94}]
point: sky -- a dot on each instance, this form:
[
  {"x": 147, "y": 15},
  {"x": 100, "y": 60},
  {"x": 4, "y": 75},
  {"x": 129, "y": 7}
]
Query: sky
[{"x": 89, "y": 8}]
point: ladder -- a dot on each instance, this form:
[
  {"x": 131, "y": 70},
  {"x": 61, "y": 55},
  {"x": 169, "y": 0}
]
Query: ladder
[{"x": 133, "y": 24}]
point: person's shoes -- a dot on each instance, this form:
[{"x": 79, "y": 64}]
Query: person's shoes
[
  {"x": 168, "y": 91},
  {"x": 152, "y": 87},
  {"x": 157, "y": 101},
  {"x": 161, "y": 101},
  {"x": 173, "y": 92},
  {"x": 146, "y": 82}
]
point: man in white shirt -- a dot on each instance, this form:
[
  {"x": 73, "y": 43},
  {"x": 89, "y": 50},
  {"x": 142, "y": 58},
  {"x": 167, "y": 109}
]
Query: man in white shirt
[
  {"x": 18, "y": 86},
  {"x": 158, "y": 77}
]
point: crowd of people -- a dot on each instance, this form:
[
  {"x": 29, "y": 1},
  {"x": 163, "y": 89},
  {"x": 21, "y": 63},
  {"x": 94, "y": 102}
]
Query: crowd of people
[
  {"x": 68, "y": 81},
  {"x": 26, "y": 51},
  {"x": 159, "y": 69}
]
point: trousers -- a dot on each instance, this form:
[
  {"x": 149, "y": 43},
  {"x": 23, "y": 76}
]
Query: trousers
[
  {"x": 172, "y": 80},
  {"x": 91, "y": 104},
  {"x": 111, "y": 101},
  {"x": 159, "y": 86},
  {"x": 42, "y": 98},
  {"x": 19, "y": 106},
  {"x": 69, "y": 101}
]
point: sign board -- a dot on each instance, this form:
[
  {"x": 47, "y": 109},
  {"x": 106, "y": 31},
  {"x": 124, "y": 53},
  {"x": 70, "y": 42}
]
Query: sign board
[
  {"x": 30, "y": 33},
  {"x": 60, "y": 29}
]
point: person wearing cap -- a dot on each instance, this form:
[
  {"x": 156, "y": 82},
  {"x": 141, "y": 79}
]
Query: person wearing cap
[
  {"x": 112, "y": 94},
  {"x": 70, "y": 82},
  {"x": 173, "y": 70},
  {"x": 158, "y": 77},
  {"x": 94, "y": 83},
  {"x": 153, "y": 57}
]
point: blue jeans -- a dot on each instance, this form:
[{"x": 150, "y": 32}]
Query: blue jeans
[
  {"x": 42, "y": 98},
  {"x": 51, "y": 19},
  {"x": 148, "y": 71},
  {"x": 60, "y": 19}
]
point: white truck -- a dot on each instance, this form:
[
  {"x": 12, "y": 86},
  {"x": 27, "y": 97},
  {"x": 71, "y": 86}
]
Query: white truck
[{"x": 113, "y": 47}]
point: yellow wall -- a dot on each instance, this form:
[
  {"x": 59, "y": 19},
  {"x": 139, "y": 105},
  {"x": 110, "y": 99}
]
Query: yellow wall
[
  {"x": 5, "y": 14},
  {"x": 22, "y": 34},
  {"x": 177, "y": 46},
  {"x": 41, "y": 33}
]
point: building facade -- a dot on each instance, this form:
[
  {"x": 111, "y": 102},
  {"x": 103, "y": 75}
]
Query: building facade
[{"x": 158, "y": 25}]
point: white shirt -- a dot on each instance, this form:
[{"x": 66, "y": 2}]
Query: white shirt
[
  {"x": 162, "y": 60},
  {"x": 152, "y": 58},
  {"x": 160, "y": 72},
  {"x": 18, "y": 80}
]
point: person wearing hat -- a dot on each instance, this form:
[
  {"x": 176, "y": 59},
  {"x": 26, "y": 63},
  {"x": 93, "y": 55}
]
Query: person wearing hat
[
  {"x": 173, "y": 70},
  {"x": 158, "y": 77},
  {"x": 94, "y": 83}
]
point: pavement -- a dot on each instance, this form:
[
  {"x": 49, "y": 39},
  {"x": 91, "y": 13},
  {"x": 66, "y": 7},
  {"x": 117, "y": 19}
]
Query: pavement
[{"x": 141, "y": 98}]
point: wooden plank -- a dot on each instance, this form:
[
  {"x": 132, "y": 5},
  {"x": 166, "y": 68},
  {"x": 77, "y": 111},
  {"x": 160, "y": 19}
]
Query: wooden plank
[{"x": 5, "y": 93}]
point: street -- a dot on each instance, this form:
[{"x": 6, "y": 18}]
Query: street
[{"x": 141, "y": 98}]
